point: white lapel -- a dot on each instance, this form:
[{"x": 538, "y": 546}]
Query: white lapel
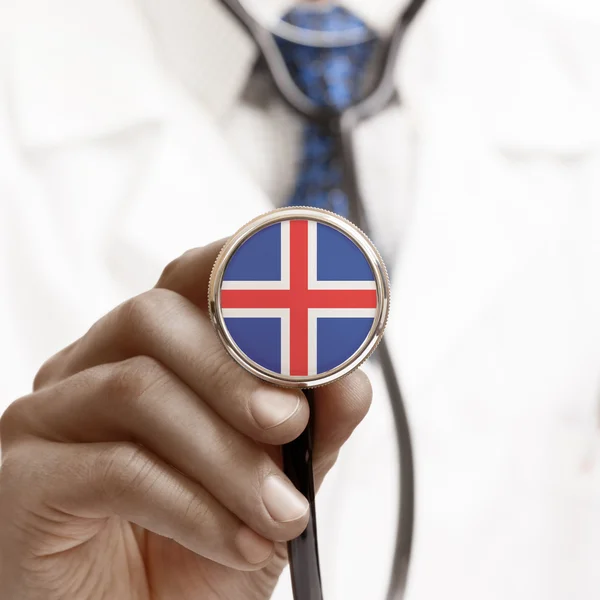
[
  {"x": 192, "y": 192},
  {"x": 95, "y": 73},
  {"x": 492, "y": 185},
  {"x": 80, "y": 70}
]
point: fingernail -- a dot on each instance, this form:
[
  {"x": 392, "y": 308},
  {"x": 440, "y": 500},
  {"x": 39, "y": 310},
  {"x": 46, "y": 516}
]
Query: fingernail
[
  {"x": 283, "y": 501},
  {"x": 274, "y": 407},
  {"x": 254, "y": 548}
]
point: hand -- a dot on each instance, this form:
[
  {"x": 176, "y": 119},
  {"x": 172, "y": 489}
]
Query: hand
[{"x": 146, "y": 463}]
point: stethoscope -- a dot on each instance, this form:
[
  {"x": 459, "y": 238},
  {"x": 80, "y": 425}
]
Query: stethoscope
[{"x": 297, "y": 456}]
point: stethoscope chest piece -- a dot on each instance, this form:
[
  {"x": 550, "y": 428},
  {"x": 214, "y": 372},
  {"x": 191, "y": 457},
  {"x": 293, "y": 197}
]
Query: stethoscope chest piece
[{"x": 299, "y": 297}]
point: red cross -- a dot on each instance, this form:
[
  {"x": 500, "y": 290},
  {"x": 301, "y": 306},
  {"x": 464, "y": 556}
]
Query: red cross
[{"x": 298, "y": 298}]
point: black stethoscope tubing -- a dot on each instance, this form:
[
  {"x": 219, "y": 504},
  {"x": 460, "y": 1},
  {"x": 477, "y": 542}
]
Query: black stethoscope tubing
[{"x": 297, "y": 456}]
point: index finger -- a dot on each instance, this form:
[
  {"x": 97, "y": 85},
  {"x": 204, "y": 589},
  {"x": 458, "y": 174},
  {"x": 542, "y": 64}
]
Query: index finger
[{"x": 188, "y": 275}]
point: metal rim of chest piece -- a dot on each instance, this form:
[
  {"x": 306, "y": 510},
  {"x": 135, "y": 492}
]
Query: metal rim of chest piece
[{"x": 369, "y": 251}]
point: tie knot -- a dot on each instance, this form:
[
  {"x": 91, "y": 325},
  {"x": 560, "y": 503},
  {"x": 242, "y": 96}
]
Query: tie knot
[{"x": 329, "y": 75}]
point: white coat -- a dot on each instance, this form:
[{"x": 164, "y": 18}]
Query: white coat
[{"x": 128, "y": 134}]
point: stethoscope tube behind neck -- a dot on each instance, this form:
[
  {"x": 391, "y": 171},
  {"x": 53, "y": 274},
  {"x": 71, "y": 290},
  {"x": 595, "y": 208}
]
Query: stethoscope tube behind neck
[
  {"x": 288, "y": 90},
  {"x": 381, "y": 94}
]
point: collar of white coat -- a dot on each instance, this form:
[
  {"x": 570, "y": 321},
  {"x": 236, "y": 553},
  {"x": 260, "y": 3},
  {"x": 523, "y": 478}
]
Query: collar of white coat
[{"x": 81, "y": 69}]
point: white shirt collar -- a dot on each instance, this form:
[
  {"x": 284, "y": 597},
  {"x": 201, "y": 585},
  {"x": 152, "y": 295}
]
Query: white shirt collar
[{"x": 88, "y": 69}]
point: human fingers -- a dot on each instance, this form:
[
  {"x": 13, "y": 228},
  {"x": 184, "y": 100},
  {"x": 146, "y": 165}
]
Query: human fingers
[
  {"x": 188, "y": 275},
  {"x": 56, "y": 496},
  {"x": 141, "y": 401},
  {"x": 169, "y": 328}
]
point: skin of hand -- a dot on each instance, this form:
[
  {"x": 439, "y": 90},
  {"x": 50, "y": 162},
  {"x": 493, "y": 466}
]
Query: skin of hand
[{"x": 146, "y": 463}]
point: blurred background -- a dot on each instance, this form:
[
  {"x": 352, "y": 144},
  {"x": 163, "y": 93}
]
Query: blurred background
[{"x": 133, "y": 130}]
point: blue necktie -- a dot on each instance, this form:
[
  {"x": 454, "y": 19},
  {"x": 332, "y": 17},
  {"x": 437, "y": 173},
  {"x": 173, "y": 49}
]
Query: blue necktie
[{"x": 330, "y": 77}]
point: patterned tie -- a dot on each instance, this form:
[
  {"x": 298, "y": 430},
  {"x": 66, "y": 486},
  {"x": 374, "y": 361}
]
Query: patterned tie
[{"x": 330, "y": 77}]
